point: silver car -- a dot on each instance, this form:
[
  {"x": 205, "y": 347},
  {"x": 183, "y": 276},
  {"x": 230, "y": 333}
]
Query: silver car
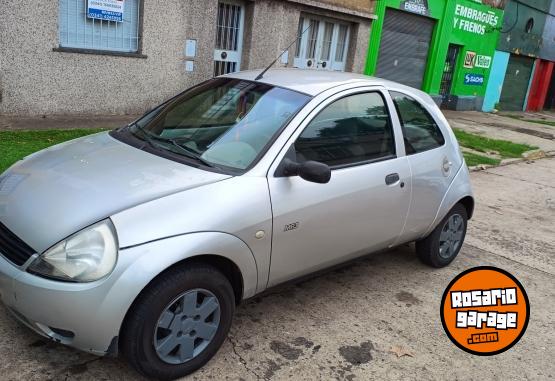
[{"x": 143, "y": 240}]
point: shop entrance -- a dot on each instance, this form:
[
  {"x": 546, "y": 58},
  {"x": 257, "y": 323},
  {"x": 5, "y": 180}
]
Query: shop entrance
[
  {"x": 448, "y": 74},
  {"x": 540, "y": 85},
  {"x": 515, "y": 84},
  {"x": 404, "y": 47},
  {"x": 550, "y": 98}
]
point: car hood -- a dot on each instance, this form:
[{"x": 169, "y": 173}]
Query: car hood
[{"x": 58, "y": 191}]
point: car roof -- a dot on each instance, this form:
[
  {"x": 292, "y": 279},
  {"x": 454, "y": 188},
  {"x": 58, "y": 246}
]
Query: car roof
[{"x": 313, "y": 82}]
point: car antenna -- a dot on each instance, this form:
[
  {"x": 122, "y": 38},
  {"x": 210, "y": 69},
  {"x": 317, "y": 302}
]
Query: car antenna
[{"x": 261, "y": 75}]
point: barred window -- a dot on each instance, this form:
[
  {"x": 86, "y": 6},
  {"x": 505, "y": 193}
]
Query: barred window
[{"x": 76, "y": 30}]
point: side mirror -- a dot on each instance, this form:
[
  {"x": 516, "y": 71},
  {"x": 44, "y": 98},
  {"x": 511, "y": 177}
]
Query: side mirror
[{"x": 312, "y": 171}]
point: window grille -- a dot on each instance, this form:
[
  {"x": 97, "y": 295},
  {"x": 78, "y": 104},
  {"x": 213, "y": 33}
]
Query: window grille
[
  {"x": 224, "y": 67},
  {"x": 326, "y": 43},
  {"x": 313, "y": 35},
  {"x": 78, "y": 31},
  {"x": 341, "y": 43},
  {"x": 299, "y": 37},
  {"x": 227, "y": 32}
]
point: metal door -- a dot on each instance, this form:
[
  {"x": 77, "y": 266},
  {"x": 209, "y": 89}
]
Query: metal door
[
  {"x": 515, "y": 84},
  {"x": 550, "y": 97},
  {"x": 540, "y": 85},
  {"x": 229, "y": 38},
  {"x": 323, "y": 45},
  {"x": 448, "y": 73},
  {"x": 404, "y": 46},
  {"x": 357, "y": 212}
]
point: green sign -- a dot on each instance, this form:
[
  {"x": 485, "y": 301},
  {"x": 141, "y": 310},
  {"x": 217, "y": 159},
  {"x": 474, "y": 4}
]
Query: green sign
[
  {"x": 472, "y": 25},
  {"x": 476, "y": 27}
]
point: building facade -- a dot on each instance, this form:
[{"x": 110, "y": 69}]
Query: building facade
[
  {"x": 125, "y": 56},
  {"x": 442, "y": 47},
  {"x": 524, "y": 58}
]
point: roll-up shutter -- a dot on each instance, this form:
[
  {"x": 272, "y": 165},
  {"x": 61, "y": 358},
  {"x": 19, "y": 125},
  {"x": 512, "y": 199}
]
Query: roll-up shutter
[
  {"x": 515, "y": 84},
  {"x": 404, "y": 47}
]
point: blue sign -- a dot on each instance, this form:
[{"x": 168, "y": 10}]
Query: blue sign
[
  {"x": 110, "y": 10},
  {"x": 474, "y": 79}
]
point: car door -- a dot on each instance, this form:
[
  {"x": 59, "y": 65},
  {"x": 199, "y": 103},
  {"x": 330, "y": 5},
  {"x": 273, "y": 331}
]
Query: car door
[
  {"x": 364, "y": 205},
  {"x": 433, "y": 163}
]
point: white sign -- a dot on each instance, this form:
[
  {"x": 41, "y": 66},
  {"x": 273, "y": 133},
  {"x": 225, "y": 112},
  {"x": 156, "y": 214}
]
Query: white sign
[
  {"x": 189, "y": 65},
  {"x": 483, "y": 61},
  {"x": 469, "y": 59},
  {"x": 190, "y": 48},
  {"x": 285, "y": 57},
  {"x": 110, "y": 10},
  {"x": 416, "y": 6}
]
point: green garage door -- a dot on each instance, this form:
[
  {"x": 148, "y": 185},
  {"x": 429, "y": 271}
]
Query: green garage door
[
  {"x": 404, "y": 46},
  {"x": 515, "y": 84}
]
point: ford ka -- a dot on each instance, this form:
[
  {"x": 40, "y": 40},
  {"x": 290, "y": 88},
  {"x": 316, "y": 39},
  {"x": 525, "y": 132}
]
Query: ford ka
[{"x": 143, "y": 240}]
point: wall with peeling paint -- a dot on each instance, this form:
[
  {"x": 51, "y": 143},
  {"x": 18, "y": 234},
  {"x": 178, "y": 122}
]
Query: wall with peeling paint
[{"x": 515, "y": 37}]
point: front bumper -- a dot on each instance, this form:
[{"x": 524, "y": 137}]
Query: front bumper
[
  {"x": 86, "y": 316},
  {"x": 94, "y": 312}
]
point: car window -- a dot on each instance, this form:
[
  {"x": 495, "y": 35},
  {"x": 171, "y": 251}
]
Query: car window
[
  {"x": 420, "y": 131},
  {"x": 353, "y": 129}
]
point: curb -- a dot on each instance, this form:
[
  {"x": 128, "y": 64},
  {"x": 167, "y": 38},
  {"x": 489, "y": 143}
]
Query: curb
[{"x": 528, "y": 157}]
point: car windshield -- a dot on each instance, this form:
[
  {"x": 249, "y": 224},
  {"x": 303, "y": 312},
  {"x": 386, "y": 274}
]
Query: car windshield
[{"x": 221, "y": 123}]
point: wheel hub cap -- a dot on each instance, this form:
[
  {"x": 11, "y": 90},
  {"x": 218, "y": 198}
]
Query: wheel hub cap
[
  {"x": 186, "y": 326},
  {"x": 451, "y": 236}
]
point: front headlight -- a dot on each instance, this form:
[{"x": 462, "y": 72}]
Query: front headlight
[{"x": 86, "y": 256}]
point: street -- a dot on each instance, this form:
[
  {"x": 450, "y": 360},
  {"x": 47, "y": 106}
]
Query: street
[{"x": 376, "y": 318}]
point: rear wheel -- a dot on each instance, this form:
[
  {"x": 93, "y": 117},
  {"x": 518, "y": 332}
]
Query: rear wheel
[
  {"x": 179, "y": 322},
  {"x": 444, "y": 243}
]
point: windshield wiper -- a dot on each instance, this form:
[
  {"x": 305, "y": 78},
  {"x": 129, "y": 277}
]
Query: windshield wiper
[
  {"x": 148, "y": 138},
  {"x": 189, "y": 152}
]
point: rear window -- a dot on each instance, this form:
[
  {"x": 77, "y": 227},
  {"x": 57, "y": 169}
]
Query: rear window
[{"x": 420, "y": 131}]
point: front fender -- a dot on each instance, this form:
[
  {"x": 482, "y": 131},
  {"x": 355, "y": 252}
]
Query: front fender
[
  {"x": 139, "y": 265},
  {"x": 460, "y": 187}
]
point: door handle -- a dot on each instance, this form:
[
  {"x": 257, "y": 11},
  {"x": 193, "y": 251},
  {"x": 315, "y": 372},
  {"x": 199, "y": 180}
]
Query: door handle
[{"x": 392, "y": 178}]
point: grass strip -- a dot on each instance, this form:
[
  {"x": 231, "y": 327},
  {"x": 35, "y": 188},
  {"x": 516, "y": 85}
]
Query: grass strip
[{"x": 15, "y": 145}]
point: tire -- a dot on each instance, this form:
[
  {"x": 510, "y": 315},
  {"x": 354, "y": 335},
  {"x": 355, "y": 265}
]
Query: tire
[
  {"x": 432, "y": 250},
  {"x": 178, "y": 292}
]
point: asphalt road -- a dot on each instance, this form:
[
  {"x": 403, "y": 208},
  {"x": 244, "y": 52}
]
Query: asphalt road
[{"x": 377, "y": 318}]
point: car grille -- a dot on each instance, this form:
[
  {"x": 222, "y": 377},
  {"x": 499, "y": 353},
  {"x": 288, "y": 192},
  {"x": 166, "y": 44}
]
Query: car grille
[{"x": 13, "y": 248}]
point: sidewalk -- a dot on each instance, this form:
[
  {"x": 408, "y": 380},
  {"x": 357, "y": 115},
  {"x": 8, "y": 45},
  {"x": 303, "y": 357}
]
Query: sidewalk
[
  {"x": 538, "y": 116},
  {"x": 507, "y": 128}
]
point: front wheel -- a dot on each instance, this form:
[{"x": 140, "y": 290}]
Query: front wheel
[
  {"x": 179, "y": 322},
  {"x": 444, "y": 243}
]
